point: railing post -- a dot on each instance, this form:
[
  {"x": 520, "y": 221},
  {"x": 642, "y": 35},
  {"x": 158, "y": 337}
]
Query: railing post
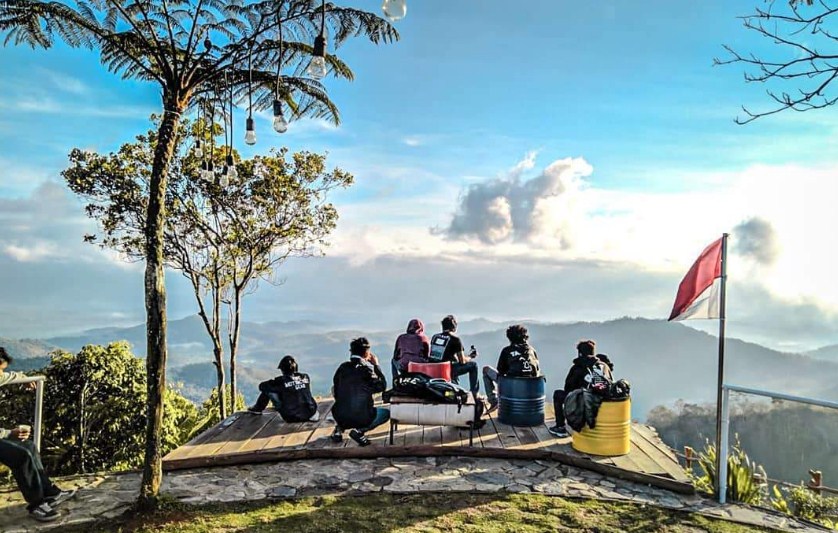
[
  {"x": 39, "y": 408},
  {"x": 816, "y": 483},
  {"x": 689, "y": 454},
  {"x": 723, "y": 449}
]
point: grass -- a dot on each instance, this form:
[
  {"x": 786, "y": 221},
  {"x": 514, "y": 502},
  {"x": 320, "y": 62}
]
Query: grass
[{"x": 426, "y": 513}]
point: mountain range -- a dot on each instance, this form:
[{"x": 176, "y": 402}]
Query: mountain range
[{"x": 663, "y": 361}]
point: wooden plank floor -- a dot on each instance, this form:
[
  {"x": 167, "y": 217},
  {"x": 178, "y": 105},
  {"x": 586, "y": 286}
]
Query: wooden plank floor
[{"x": 245, "y": 438}]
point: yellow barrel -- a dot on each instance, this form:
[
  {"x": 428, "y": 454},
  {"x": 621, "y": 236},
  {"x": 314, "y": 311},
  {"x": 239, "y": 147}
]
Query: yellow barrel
[{"x": 612, "y": 435}]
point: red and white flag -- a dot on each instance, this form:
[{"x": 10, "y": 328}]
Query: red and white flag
[{"x": 699, "y": 295}]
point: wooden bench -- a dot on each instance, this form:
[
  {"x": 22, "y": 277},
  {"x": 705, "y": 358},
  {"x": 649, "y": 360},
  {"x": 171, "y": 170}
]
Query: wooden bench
[{"x": 418, "y": 412}]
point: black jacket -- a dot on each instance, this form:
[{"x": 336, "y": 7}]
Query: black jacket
[
  {"x": 582, "y": 365},
  {"x": 296, "y": 402},
  {"x": 581, "y": 408},
  {"x": 518, "y": 361},
  {"x": 354, "y": 385}
]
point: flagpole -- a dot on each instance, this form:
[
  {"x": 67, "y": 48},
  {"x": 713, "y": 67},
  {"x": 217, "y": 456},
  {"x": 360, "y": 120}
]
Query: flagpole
[{"x": 720, "y": 469}]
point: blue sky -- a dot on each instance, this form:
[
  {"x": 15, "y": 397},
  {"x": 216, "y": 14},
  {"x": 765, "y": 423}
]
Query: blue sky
[{"x": 472, "y": 88}]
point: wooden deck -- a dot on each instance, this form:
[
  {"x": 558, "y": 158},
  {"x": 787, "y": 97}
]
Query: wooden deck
[{"x": 244, "y": 438}]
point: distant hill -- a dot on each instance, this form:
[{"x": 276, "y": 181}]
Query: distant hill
[
  {"x": 28, "y": 364},
  {"x": 827, "y": 353},
  {"x": 664, "y": 361},
  {"x": 25, "y": 348}
]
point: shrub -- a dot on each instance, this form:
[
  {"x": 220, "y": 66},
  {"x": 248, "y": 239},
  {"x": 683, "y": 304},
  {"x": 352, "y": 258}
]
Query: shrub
[{"x": 744, "y": 477}]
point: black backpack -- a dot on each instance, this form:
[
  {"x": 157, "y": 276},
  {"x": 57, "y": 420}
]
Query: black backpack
[{"x": 419, "y": 385}]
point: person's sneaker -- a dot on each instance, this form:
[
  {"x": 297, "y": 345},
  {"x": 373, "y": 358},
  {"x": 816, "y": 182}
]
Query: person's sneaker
[
  {"x": 61, "y": 497},
  {"x": 315, "y": 417},
  {"x": 493, "y": 405},
  {"x": 43, "y": 513},
  {"x": 337, "y": 435},
  {"x": 359, "y": 437},
  {"x": 254, "y": 411},
  {"x": 559, "y": 432}
]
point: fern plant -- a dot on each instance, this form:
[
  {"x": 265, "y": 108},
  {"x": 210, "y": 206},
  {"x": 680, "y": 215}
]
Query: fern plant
[{"x": 744, "y": 476}]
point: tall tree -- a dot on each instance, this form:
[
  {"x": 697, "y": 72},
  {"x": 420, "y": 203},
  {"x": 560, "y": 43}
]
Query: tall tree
[
  {"x": 192, "y": 48},
  {"x": 223, "y": 237},
  {"x": 802, "y": 75}
]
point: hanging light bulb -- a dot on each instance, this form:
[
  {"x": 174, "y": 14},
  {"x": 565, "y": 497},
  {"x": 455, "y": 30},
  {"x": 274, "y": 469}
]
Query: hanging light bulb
[
  {"x": 317, "y": 68},
  {"x": 199, "y": 152},
  {"x": 250, "y": 132},
  {"x": 280, "y": 124},
  {"x": 231, "y": 173},
  {"x": 394, "y": 9},
  {"x": 202, "y": 172},
  {"x": 223, "y": 180}
]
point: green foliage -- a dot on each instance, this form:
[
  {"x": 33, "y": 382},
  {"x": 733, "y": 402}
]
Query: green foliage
[
  {"x": 94, "y": 410},
  {"x": 276, "y": 207},
  {"x": 744, "y": 477},
  {"x": 805, "y": 503},
  {"x": 778, "y": 500}
]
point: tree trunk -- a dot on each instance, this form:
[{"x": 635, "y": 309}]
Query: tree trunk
[
  {"x": 82, "y": 433},
  {"x": 155, "y": 302},
  {"x": 218, "y": 353},
  {"x": 214, "y": 331},
  {"x": 234, "y": 346},
  {"x": 219, "y": 348}
]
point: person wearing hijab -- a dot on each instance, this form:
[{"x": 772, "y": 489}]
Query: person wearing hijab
[{"x": 411, "y": 346}]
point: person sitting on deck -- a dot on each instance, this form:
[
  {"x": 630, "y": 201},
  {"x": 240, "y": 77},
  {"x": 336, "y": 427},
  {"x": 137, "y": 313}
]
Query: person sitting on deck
[
  {"x": 411, "y": 346},
  {"x": 447, "y": 347},
  {"x": 19, "y": 453},
  {"x": 587, "y": 368},
  {"x": 518, "y": 360},
  {"x": 355, "y": 383},
  {"x": 290, "y": 393}
]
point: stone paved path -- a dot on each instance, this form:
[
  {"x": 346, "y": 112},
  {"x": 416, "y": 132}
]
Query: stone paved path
[{"x": 108, "y": 496}]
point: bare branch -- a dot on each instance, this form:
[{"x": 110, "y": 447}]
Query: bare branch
[{"x": 799, "y": 34}]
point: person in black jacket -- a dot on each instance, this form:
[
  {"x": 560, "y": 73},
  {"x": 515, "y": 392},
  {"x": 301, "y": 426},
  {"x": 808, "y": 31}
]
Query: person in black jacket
[
  {"x": 355, "y": 383},
  {"x": 518, "y": 360},
  {"x": 586, "y": 370},
  {"x": 290, "y": 394}
]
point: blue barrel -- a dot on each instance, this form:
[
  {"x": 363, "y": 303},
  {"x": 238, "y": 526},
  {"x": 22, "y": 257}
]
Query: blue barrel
[{"x": 521, "y": 401}]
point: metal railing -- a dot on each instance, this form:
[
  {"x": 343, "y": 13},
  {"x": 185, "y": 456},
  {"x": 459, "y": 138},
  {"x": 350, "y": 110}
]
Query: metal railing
[
  {"x": 39, "y": 405},
  {"x": 725, "y": 444}
]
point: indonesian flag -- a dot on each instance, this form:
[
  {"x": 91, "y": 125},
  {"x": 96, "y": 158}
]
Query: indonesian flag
[{"x": 699, "y": 294}]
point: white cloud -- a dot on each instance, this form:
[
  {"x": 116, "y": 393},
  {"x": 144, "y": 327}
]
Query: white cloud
[
  {"x": 65, "y": 82},
  {"x": 36, "y": 251},
  {"x": 34, "y": 103},
  {"x": 412, "y": 141},
  {"x": 655, "y": 231}
]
